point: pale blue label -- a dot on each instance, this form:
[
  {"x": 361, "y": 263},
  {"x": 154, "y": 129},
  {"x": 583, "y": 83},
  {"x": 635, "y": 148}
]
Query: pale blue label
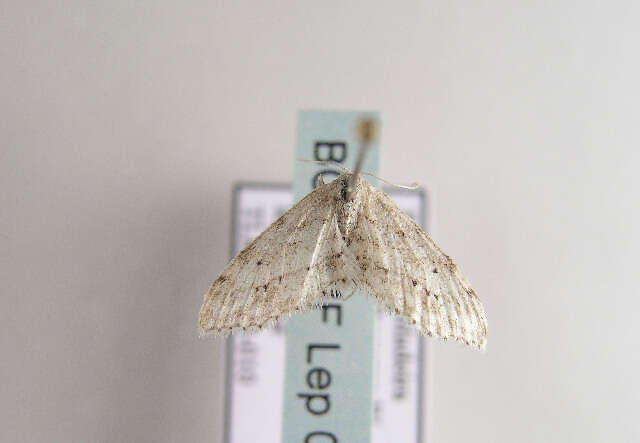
[{"x": 330, "y": 352}]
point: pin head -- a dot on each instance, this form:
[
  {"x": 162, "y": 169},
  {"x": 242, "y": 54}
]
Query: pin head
[{"x": 367, "y": 130}]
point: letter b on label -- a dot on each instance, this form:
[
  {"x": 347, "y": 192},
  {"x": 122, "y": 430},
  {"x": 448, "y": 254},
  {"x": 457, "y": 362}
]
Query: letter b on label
[{"x": 330, "y": 151}]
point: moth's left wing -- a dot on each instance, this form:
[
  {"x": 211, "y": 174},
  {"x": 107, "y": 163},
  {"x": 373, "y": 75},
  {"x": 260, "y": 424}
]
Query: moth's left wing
[{"x": 283, "y": 271}]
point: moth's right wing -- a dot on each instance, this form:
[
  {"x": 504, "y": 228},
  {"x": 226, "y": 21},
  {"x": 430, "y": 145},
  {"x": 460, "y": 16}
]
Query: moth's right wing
[
  {"x": 283, "y": 271},
  {"x": 403, "y": 268}
]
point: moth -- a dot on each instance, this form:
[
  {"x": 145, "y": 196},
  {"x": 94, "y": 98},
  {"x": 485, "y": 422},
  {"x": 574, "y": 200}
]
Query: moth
[{"x": 345, "y": 236}]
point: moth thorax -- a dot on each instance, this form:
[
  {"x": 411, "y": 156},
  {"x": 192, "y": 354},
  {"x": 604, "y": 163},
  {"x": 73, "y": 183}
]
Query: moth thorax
[
  {"x": 350, "y": 205},
  {"x": 352, "y": 186}
]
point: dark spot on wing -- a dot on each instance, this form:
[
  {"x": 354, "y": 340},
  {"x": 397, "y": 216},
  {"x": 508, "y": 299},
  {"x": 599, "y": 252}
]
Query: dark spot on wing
[
  {"x": 343, "y": 190},
  {"x": 259, "y": 262}
]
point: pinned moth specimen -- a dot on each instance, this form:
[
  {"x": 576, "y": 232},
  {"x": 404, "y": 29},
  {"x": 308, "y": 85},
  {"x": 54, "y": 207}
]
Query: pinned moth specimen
[{"x": 345, "y": 236}]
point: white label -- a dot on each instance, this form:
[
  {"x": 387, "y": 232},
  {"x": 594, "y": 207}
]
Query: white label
[{"x": 256, "y": 362}]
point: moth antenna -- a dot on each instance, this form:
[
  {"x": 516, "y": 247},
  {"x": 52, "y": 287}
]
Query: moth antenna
[
  {"x": 349, "y": 296},
  {"x": 412, "y": 187},
  {"x": 325, "y": 163}
]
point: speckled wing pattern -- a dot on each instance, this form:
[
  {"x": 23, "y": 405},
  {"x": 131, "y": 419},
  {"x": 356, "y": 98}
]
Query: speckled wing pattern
[
  {"x": 283, "y": 271},
  {"x": 330, "y": 243},
  {"x": 404, "y": 270}
]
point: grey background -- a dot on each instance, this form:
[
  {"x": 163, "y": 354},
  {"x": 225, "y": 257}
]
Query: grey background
[{"x": 124, "y": 124}]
